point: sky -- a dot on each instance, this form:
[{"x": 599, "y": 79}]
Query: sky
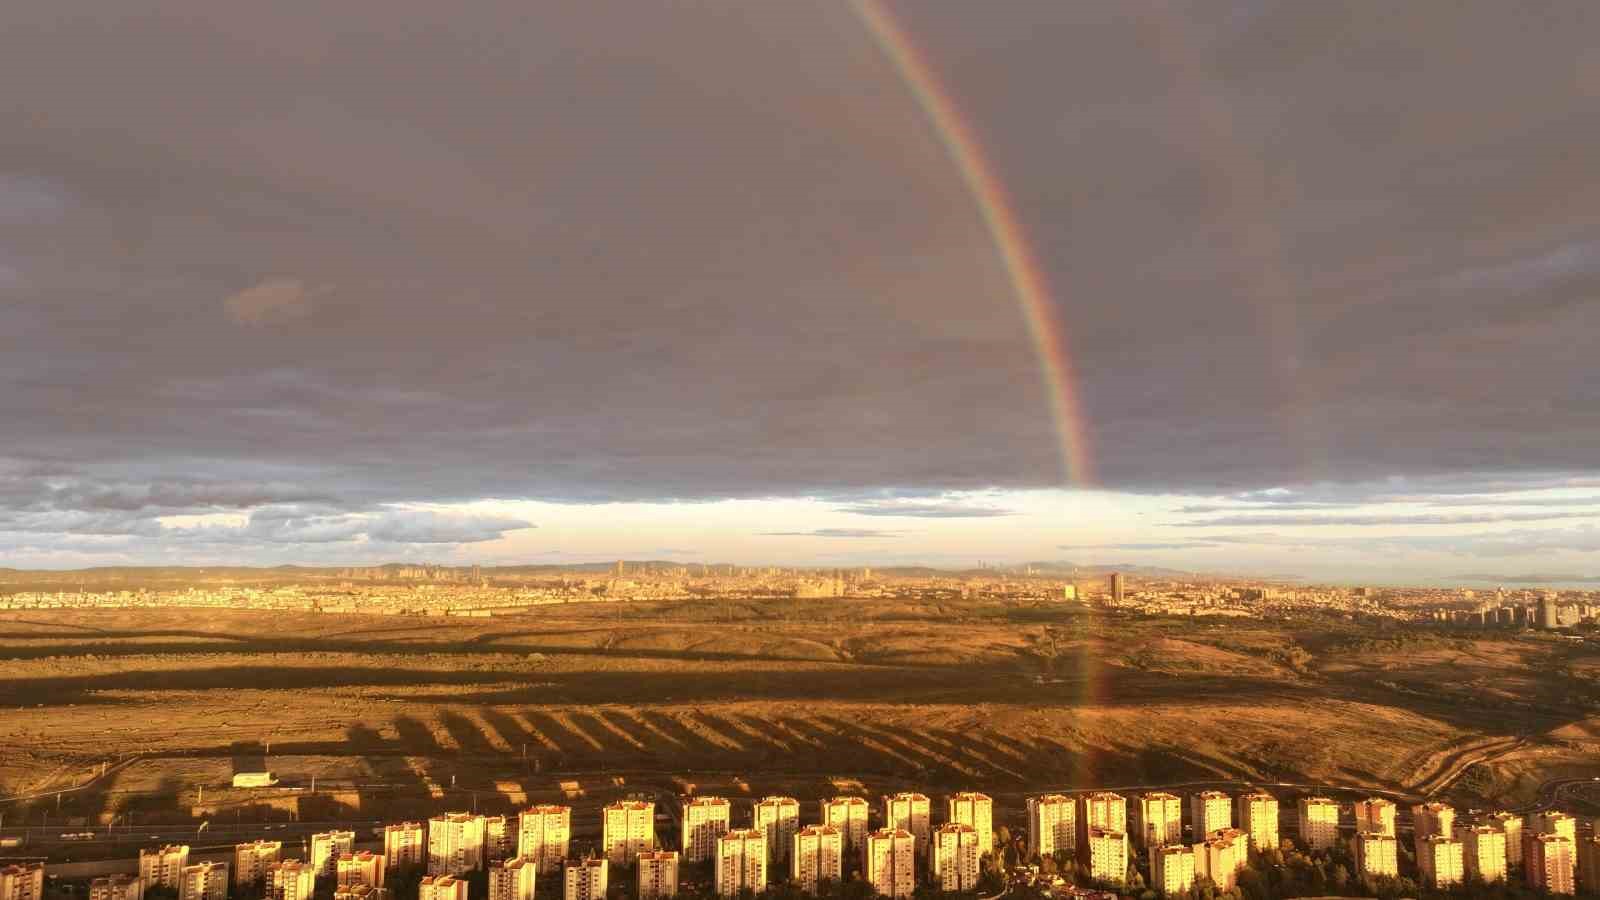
[{"x": 552, "y": 282}]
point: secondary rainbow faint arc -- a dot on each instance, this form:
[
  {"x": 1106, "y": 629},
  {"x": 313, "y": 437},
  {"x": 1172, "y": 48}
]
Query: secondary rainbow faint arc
[{"x": 988, "y": 191}]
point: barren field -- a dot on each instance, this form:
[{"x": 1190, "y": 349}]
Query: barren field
[{"x": 801, "y": 696}]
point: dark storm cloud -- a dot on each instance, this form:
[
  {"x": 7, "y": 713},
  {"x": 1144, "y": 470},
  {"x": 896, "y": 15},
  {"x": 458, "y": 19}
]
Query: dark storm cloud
[{"x": 365, "y": 252}]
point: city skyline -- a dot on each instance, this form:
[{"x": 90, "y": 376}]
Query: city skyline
[{"x": 1271, "y": 289}]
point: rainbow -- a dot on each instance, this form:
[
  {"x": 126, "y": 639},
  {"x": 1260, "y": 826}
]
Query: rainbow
[{"x": 1028, "y": 280}]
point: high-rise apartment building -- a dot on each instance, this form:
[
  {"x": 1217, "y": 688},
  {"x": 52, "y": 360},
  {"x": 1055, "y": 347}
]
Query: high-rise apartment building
[
  {"x": 1548, "y": 862},
  {"x": 1220, "y": 856},
  {"x": 889, "y": 863},
  {"x": 1052, "y": 825},
  {"x": 1441, "y": 861},
  {"x": 1106, "y": 853},
  {"x": 741, "y": 862},
  {"x": 499, "y": 838},
  {"x": 1158, "y": 820},
  {"x": 1377, "y": 854},
  {"x": 1429, "y": 819},
  {"x": 954, "y": 857},
  {"x": 977, "y": 810},
  {"x": 1319, "y": 823},
  {"x": 442, "y": 887},
  {"x": 1118, "y": 588},
  {"x": 1210, "y": 811},
  {"x": 204, "y": 881},
  {"x": 163, "y": 865},
  {"x": 22, "y": 881},
  {"x": 1375, "y": 815},
  {"x": 849, "y": 815},
  {"x": 1483, "y": 851},
  {"x": 912, "y": 812},
  {"x": 1105, "y": 811},
  {"x": 403, "y": 845},
  {"x": 360, "y": 867},
  {"x": 778, "y": 818},
  {"x": 512, "y": 879},
  {"x": 290, "y": 879},
  {"x": 455, "y": 843},
  {"x": 1553, "y": 821},
  {"x": 362, "y": 892},
  {"x": 628, "y": 828},
  {"x": 1258, "y": 816},
  {"x": 705, "y": 819},
  {"x": 1510, "y": 825},
  {"x": 585, "y": 879},
  {"x": 250, "y": 861},
  {"x": 1171, "y": 868},
  {"x": 817, "y": 856},
  {"x": 121, "y": 886},
  {"x": 327, "y": 847},
  {"x": 544, "y": 835},
  {"x": 1588, "y": 862},
  {"x": 658, "y": 874}
]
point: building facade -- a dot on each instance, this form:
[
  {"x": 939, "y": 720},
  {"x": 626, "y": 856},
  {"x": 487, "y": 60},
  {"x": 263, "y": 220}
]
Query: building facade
[
  {"x": 120, "y": 886},
  {"x": 658, "y": 874},
  {"x": 741, "y": 862},
  {"x": 512, "y": 879},
  {"x": 1319, "y": 823},
  {"x": 977, "y": 810},
  {"x": 360, "y": 867},
  {"x": 403, "y": 845},
  {"x": 849, "y": 815},
  {"x": 1548, "y": 863},
  {"x": 1052, "y": 825},
  {"x": 544, "y": 835},
  {"x": 1210, "y": 811},
  {"x": 442, "y": 887},
  {"x": 1158, "y": 820},
  {"x": 1430, "y": 819},
  {"x": 1105, "y": 811},
  {"x": 1483, "y": 852},
  {"x": 889, "y": 863},
  {"x": 585, "y": 879},
  {"x": 778, "y": 818},
  {"x": 1106, "y": 853},
  {"x": 250, "y": 861},
  {"x": 22, "y": 881},
  {"x": 817, "y": 856},
  {"x": 1377, "y": 854},
  {"x": 204, "y": 881},
  {"x": 954, "y": 857},
  {"x": 163, "y": 865},
  {"x": 628, "y": 828},
  {"x": 705, "y": 821},
  {"x": 327, "y": 847},
  {"x": 1171, "y": 868},
  {"x": 290, "y": 879},
  {"x": 1510, "y": 825},
  {"x": 499, "y": 838},
  {"x": 1375, "y": 815},
  {"x": 1258, "y": 816},
  {"x": 912, "y": 812},
  {"x": 455, "y": 843},
  {"x": 1441, "y": 861}
]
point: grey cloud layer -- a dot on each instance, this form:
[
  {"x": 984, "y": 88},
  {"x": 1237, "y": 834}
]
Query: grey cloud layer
[{"x": 371, "y": 253}]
